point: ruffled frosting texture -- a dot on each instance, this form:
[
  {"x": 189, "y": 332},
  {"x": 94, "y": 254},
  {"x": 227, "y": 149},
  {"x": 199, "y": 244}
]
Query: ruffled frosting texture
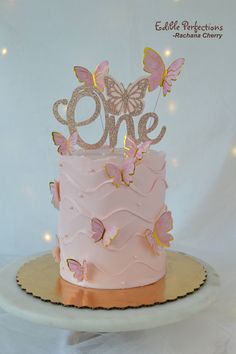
[{"x": 87, "y": 192}]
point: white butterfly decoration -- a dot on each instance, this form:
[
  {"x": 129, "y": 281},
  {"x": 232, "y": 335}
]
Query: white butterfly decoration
[{"x": 123, "y": 100}]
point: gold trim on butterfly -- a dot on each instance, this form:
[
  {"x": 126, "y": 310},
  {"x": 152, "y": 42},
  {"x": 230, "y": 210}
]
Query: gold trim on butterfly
[
  {"x": 72, "y": 259},
  {"x": 122, "y": 177},
  {"x": 112, "y": 178},
  {"x": 165, "y": 70},
  {"x": 144, "y": 57},
  {"x": 111, "y": 239},
  {"x": 125, "y": 148}
]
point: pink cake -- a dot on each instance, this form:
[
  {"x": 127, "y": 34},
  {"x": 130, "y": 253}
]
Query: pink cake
[
  {"x": 113, "y": 222},
  {"x": 85, "y": 193}
]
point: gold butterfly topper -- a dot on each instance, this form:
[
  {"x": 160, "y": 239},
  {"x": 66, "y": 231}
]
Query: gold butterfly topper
[{"x": 118, "y": 104}]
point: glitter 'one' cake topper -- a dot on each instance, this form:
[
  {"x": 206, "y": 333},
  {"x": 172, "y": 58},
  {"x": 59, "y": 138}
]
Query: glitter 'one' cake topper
[{"x": 118, "y": 103}]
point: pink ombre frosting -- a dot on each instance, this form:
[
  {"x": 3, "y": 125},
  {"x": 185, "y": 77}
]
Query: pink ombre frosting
[{"x": 87, "y": 192}]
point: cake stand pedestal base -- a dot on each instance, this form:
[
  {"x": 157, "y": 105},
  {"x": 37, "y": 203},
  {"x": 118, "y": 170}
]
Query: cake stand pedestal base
[{"x": 18, "y": 303}]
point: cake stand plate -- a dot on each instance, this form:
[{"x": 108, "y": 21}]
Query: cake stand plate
[{"x": 18, "y": 303}]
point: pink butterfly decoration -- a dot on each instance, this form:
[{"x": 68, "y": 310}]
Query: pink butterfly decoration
[
  {"x": 161, "y": 230},
  {"x": 125, "y": 100},
  {"x": 134, "y": 151},
  {"x": 65, "y": 146},
  {"x": 95, "y": 79},
  {"x": 100, "y": 233},
  {"x": 56, "y": 252},
  {"x": 160, "y": 76},
  {"x": 160, "y": 237},
  {"x": 55, "y": 191},
  {"x": 80, "y": 270},
  {"x": 151, "y": 240},
  {"x": 122, "y": 175}
]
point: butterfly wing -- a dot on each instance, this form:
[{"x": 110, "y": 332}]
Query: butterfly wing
[
  {"x": 142, "y": 149},
  {"x": 55, "y": 191},
  {"x": 154, "y": 65},
  {"x": 58, "y": 138},
  {"x": 135, "y": 94},
  {"x": 176, "y": 66},
  {"x": 56, "y": 254},
  {"x": 76, "y": 268},
  {"x": 98, "y": 229},
  {"x": 72, "y": 143},
  {"x": 161, "y": 230},
  {"x": 173, "y": 72},
  {"x": 109, "y": 235},
  {"x": 114, "y": 173},
  {"x": 151, "y": 240},
  {"x": 128, "y": 172},
  {"x": 130, "y": 147},
  {"x": 61, "y": 141},
  {"x": 100, "y": 72},
  {"x": 115, "y": 92},
  {"x": 84, "y": 76}
]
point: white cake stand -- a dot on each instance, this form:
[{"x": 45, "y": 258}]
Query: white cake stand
[{"x": 18, "y": 303}]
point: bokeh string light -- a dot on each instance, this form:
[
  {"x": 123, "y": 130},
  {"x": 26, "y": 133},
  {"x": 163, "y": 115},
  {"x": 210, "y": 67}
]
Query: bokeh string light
[
  {"x": 167, "y": 53},
  {"x": 4, "y": 51},
  {"x": 47, "y": 237},
  {"x": 172, "y": 107},
  {"x": 233, "y": 150},
  {"x": 175, "y": 162}
]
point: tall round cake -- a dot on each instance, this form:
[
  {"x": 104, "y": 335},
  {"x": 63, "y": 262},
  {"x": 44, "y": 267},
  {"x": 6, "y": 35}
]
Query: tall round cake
[
  {"x": 113, "y": 222},
  {"x": 86, "y": 193}
]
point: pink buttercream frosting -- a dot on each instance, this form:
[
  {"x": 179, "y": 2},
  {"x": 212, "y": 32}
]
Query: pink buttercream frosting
[{"x": 87, "y": 192}]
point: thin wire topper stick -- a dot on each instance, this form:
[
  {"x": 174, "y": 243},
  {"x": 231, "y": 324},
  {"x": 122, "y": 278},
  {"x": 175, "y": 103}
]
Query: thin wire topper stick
[
  {"x": 102, "y": 125},
  {"x": 155, "y": 106}
]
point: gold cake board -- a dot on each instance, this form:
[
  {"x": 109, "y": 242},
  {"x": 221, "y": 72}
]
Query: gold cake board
[{"x": 41, "y": 279}]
